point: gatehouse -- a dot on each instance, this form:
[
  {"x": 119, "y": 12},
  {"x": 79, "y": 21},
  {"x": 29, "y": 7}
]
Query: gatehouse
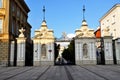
[{"x": 17, "y": 48}]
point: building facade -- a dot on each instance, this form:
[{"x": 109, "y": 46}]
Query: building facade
[
  {"x": 13, "y": 16},
  {"x": 85, "y": 49},
  {"x": 17, "y": 48},
  {"x": 91, "y": 49},
  {"x": 43, "y": 46},
  {"x": 110, "y": 22}
]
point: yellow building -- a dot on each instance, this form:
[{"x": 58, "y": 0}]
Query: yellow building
[{"x": 13, "y": 16}]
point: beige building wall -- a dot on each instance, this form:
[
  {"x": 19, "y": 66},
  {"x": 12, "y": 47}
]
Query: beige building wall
[
  {"x": 111, "y": 20},
  {"x": 4, "y": 19}
]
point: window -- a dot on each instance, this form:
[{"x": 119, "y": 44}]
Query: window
[
  {"x": 1, "y": 3},
  {"x": 103, "y": 24},
  {"x": 43, "y": 49},
  {"x": 21, "y": 16},
  {"x": 24, "y": 19},
  {"x": 13, "y": 26},
  {"x": 107, "y": 20},
  {"x": 13, "y": 6},
  {"x": 17, "y": 29},
  {"x": 18, "y": 12},
  {"x": 113, "y": 19},
  {"x": 1, "y": 25},
  {"x": 107, "y": 23},
  {"x": 111, "y": 34}
]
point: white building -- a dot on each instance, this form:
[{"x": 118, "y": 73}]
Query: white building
[
  {"x": 85, "y": 49},
  {"x": 111, "y": 22},
  {"x": 43, "y": 46}
]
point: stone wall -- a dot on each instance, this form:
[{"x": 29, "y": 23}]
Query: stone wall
[{"x": 4, "y": 50}]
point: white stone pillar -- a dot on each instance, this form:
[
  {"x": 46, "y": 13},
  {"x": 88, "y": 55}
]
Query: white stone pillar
[
  {"x": 117, "y": 50},
  {"x": 80, "y": 51},
  {"x": 90, "y": 50},
  {"x": 76, "y": 51},
  {"x": 52, "y": 52},
  {"x": 108, "y": 52},
  {"x": 94, "y": 58},
  {"x": 12, "y": 53},
  {"x": 21, "y": 46},
  {"x": 36, "y": 53},
  {"x": 94, "y": 51},
  {"x": 39, "y": 52},
  {"x": 48, "y": 51}
]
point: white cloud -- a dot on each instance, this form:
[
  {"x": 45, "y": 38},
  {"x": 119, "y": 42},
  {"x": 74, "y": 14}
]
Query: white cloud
[{"x": 71, "y": 35}]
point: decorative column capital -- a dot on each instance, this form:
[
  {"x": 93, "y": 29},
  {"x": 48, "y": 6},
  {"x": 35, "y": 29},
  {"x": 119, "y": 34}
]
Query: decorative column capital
[{"x": 21, "y": 35}]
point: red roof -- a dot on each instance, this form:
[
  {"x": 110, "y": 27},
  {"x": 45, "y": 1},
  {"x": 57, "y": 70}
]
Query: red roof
[{"x": 98, "y": 33}]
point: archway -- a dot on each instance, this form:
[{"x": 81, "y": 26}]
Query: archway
[{"x": 65, "y": 54}]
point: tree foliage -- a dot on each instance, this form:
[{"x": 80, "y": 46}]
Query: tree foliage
[{"x": 69, "y": 53}]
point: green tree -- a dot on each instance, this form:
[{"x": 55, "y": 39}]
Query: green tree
[{"x": 69, "y": 53}]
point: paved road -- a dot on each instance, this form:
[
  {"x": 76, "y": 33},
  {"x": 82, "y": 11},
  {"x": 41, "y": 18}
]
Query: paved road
[{"x": 86, "y": 72}]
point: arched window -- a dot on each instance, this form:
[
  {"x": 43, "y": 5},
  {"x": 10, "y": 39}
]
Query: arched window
[
  {"x": 43, "y": 49},
  {"x": 85, "y": 50}
]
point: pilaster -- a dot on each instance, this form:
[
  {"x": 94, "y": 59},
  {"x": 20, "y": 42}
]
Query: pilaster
[
  {"x": 21, "y": 43},
  {"x": 108, "y": 51},
  {"x": 21, "y": 48},
  {"x": 117, "y": 47},
  {"x": 36, "y": 53},
  {"x": 12, "y": 53}
]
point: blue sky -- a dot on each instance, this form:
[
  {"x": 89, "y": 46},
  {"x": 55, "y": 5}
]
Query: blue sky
[{"x": 66, "y": 15}]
